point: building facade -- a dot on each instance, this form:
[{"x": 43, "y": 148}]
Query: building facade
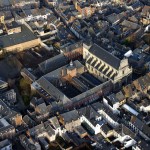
[{"x": 106, "y": 66}]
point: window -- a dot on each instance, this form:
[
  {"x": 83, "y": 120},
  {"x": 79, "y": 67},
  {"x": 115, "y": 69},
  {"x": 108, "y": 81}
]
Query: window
[{"x": 96, "y": 71}]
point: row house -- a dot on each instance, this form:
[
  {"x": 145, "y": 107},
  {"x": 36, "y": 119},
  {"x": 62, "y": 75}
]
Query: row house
[
  {"x": 29, "y": 143},
  {"x": 70, "y": 120},
  {"x": 6, "y": 130},
  {"x": 43, "y": 130}
]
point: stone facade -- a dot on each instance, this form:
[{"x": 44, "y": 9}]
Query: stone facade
[
  {"x": 104, "y": 71},
  {"x": 23, "y": 46}
]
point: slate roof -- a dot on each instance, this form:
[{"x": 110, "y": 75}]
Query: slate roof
[
  {"x": 143, "y": 145},
  {"x": 4, "y": 111},
  {"x": 80, "y": 130},
  {"x": 37, "y": 129},
  {"x": 137, "y": 5},
  {"x": 69, "y": 116},
  {"x": 124, "y": 130},
  {"x": 120, "y": 96},
  {"x": 34, "y": 101},
  {"x": 55, "y": 122},
  {"x": 115, "y": 17},
  {"x": 137, "y": 122},
  {"x": 130, "y": 24},
  {"x": 49, "y": 129},
  {"x": 110, "y": 114},
  {"x": 29, "y": 121},
  {"x": 146, "y": 130},
  {"x": 24, "y": 36},
  {"x": 72, "y": 47},
  {"x": 42, "y": 109},
  {"x": 53, "y": 63},
  {"x": 112, "y": 99},
  {"x": 4, "y": 143},
  {"x": 88, "y": 112},
  {"x": 105, "y": 56},
  {"x": 97, "y": 106},
  {"x": 29, "y": 74},
  {"x": 105, "y": 128}
]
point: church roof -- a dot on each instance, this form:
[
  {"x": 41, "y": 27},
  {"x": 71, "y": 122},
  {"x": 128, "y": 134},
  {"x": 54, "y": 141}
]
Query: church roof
[{"x": 105, "y": 56}]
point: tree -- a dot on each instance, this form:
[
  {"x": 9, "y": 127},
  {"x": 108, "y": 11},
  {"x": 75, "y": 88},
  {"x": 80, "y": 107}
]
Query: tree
[{"x": 25, "y": 90}]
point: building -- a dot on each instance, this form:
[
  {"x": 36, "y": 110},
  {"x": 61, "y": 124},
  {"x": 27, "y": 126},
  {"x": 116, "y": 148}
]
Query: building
[
  {"x": 13, "y": 28},
  {"x": 44, "y": 144},
  {"x": 55, "y": 123},
  {"x": 90, "y": 119},
  {"x": 70, "y": 120},
  {"x": 15, "y": 119},
  {"x": 71, "y": 85},
  {"x": 121, "y": 98},
  {"x": 85, "y": 9},
  {"x": 107, "y": 114},
  {"x": 43, "y": 130},
  {"x": 8, "y": 17},
  {"x": 53, "y": 63},
  {"x": 28, "y": 4},
  {"x": 125, "y": 136},
  {"x": 36, "y": 14},
  {"x": 10, "y": 96},
  {"x": 3, "y": 85},
  {"x": 6, "y": 130},
  {"x": 73, "y": 51},
  {"x": 5, "y": 4},
  {"x": 112, "y": 102},
  {"x": 29, "y": 143},
  {"x": 52, "y": 2},
  {"x": 29, "y": 121},
  {"x": 81, "y": 131},
  {"x": 39, "y": 110},
  {"x": 19, "y": 41},
  {"x": 5, "y": 145},
  {"x": 143, "y": 83},
  {"x": 28, "y": 75},
  {"x": 106, "y": 66}
]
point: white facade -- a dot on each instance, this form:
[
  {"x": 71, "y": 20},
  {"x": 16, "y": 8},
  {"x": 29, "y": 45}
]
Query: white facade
[
  {"x": 108, "y": 119},
  {"x": 96, "y": 128},
  {"x": 115, "y": 106}
]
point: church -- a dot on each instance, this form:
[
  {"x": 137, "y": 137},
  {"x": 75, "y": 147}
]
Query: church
[{"x": 106, "y": 66}]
